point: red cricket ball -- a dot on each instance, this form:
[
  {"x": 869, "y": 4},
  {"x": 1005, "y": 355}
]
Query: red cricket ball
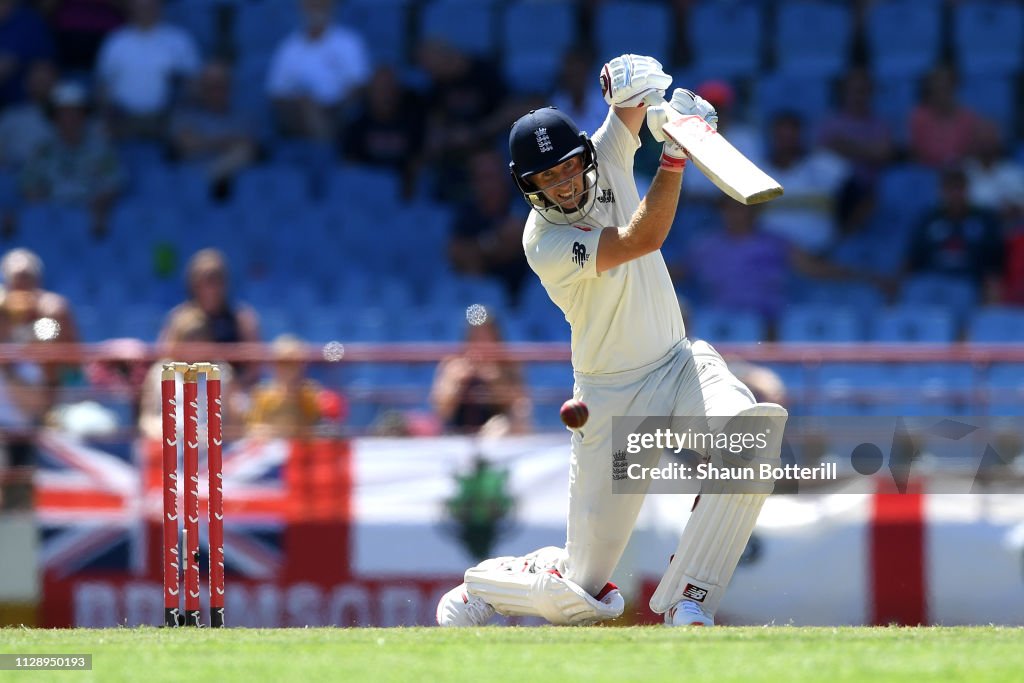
[{"x": 574, "y": 413}]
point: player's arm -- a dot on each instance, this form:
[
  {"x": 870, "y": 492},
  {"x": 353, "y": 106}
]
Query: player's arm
[
  {"x": 649, "y": 225},
  {"x": 631, "y": 82},
  {"x": 652, "y": 220}
]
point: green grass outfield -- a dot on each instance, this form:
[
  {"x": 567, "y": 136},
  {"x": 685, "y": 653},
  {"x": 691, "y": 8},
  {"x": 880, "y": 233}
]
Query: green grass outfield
[{"x": 780, "y": 653}]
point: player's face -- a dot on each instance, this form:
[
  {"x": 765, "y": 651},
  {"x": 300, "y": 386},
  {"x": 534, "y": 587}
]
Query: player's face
[{"x": 563, "y": 184}]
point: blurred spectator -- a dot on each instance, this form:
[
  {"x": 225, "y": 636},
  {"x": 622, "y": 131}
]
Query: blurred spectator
[
  {"x": 24, "y": 401},
  {"x": 24, "y": 38},
  {"x": 388, "y": 128},
  {"x": 117, "y": 379},
  {"x": 1013, "y": 278},
  {"x": 763, "y": 382},
  {"x": 211, "y": 131},
  {"x": 474, "y": 394},
  {"x": 812, "y": 178},
  {"x": 487, "y": 233},
  {"x": 958, "y": 240},
  {"x": 189, "y": 326},
  {"x": 25, "y": 302},
  {"x": 24, "y": 127},
  {"x": 289, "y": 405},
  {"x": 80, "y": 26},
  {"x": 78, "y": 166},
  {"x": 226, "y": 321},
  {"x": 941, "y": 128},
  {"x": 739, "y": 267},
  {"x": 34, "y": 315},
  {"x": 855, "y": 256},
  {"x": 467, "y": 106},
  {"x": 854, "y": 131},
  {"x": 995, "y": 180},
  {"x": 576, "y": 94},
  {"x": 140, "y": 67},
  {"x": 314, "y": 73}
]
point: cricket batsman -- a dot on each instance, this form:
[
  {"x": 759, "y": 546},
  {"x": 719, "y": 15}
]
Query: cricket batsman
[{"x": 595, "y": 245}]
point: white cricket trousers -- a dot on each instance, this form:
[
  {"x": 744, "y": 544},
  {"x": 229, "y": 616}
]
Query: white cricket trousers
[{"x": 691, "y": 380}]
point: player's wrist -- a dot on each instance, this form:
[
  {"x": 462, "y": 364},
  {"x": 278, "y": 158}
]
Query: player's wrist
[{"x": 671, "y": 163}]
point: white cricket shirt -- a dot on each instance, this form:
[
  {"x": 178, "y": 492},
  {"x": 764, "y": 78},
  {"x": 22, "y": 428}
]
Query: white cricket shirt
[
  {"x": 626, "y": 317},
  {"x": 137, "y": 66}
]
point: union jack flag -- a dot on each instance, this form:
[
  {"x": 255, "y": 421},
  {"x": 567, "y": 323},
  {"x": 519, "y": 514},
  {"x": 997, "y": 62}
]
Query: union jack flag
[{"x": 99, "y": 506}]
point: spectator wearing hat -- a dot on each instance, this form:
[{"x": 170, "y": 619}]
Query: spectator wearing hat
[{"x": 78, "y": 166}]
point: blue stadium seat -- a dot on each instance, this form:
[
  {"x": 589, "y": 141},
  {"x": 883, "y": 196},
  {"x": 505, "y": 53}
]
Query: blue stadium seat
[
  {"x": 808, "y": 95},
  {"x": 861, "y": 297},
  {"x": 994, "y": 97},
  {"x": 894, "y": 98},
  {"x": 531, "y": 59},
  {"x": 727, "y": 38},
  {"x": 197, "y": 17},
  {"x": 275, "y": 321},
  {"x": 549, "y": 376},
  {"x": 904, "y": 36},
  {"x": 270, "y": 184},
  {"x": 92, "y": 326},
  {"x": 464, "y": 291},
  {"x": 321, "y": 324},
  {"x": 937, "y": 388},
  {"x": 432, "y": 324},
  {"x": 819, "y": 324},
  {"x": 989, "y": 37},
  {"x": 849, "y": 389},
  {"x": 1004, "y": 389},
  {"x": 539, "y": 324},
  {"x": 141, "y": 321},
  {"x": 138, "y": 156},
  {"x": 720, "y": 325},
  {"x": 352, "y": 185},
  {"x": 466, "y": 24},
  {"x": 958, "y": 295},
  {"x": 384, "y": 25},
  {"x": 996, "y": 324},
  {"x": 812, "y": 38},
  {"x": 913, "y": 324},
  {"x": 633, "y": 26},
  {"x": 261, "y": 25},
  {"x": 905, "y": 193}
]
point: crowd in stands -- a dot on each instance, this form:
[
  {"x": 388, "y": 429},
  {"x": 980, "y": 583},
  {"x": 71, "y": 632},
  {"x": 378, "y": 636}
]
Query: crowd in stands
[{"x": 349, "y": 147}]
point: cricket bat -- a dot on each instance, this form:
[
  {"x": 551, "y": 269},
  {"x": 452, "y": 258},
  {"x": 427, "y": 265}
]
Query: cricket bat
[{"x": 723, "y": 164}]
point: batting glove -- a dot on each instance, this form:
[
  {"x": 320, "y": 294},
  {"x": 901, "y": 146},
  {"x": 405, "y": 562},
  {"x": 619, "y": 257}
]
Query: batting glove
[
  {"x": 633, "y": 80},
  {"x": 673, "y": 157},
  {"x": 684, "y": 103}
]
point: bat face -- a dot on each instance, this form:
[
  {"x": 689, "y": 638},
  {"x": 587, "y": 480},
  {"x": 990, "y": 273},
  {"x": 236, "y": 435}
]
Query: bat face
[{"x": 723, "y": 164}]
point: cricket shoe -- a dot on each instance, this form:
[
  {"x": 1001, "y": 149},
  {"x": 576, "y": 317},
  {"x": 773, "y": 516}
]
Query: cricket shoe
[
  {"x": 688, "y": 613},
  {"x": 458, "y": 608}
]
